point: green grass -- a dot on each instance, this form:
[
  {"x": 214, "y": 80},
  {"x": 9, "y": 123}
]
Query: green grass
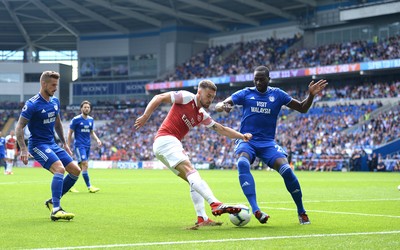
[{"x": 150, "y": 209}]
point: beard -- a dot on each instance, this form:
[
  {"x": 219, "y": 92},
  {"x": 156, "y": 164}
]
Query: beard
[{"x": 49, "y": 93}]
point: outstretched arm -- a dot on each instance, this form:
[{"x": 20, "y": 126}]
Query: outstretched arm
[
  {"x": 226, "y": 105},
  {"x": 153, "y": 104},
  {"x": 314, "y": 89},
  {"x": 231, "y": 133}
]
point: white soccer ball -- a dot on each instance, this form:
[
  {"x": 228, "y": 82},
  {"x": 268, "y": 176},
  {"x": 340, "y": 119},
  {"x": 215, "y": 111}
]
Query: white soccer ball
[
  {"x": 398, "y": 187},
  {"x": 242, "y": 218}
]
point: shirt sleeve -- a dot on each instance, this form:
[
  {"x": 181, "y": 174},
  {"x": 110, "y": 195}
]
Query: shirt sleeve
[
  {"x": 238, "y": 97},
  {"x": 72, "y": 124},
  {"x": 207, "y": 120},
  {"x": 27, "y": 110},
  {"x": 181, "y": 97},
  {"x": 285, "y": 97}
]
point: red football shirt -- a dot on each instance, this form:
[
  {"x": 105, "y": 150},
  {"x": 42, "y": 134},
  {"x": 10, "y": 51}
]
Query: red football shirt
[{"x": 183, "y": 115}]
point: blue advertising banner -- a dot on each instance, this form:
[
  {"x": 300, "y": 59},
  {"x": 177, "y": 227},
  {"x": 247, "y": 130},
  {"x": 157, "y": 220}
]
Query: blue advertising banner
[{"x": 116, "y": 88}]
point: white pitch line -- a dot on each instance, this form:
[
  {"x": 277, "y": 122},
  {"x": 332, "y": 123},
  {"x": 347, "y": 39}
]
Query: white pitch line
[
  {"x": 336, "y": 212},
  {"x": 222, "y": 240},
  {"x": 325, "y": 201}
]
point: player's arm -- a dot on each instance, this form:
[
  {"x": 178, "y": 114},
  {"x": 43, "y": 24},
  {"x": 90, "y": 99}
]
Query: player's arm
[
  {"x": 226, "y": 105},
  {"x": 93, "y": 134},
  {"x": 60, "y": 132},
  {"x": 19, "y": 132},
  {"x": 69, "y": 137},
  {"x": 314, "y": 88},
  {"x": 151, "y": 106},
  {"x": 231, "y": 133}
]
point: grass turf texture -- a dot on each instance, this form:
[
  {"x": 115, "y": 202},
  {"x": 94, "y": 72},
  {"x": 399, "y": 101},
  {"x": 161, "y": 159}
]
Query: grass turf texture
[{"x": 151, "y": 209}]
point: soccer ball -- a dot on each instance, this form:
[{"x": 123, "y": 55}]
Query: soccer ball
[
  {"x": 242, "y": 218},
  {"x": 398, "y": 187}
]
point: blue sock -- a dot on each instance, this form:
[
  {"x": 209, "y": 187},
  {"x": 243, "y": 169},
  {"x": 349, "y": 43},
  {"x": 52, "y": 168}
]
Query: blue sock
[
  {"x": 293, "y": 186},
  {"x": 86, "y": 178},
  {"x": 69, "y": 181},
  {"x": 247, "y": 183},
  {"x": 56, "y": 188}
]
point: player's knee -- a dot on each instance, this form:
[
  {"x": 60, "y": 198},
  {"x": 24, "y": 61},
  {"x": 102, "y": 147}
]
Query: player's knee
[
  {"x": 57, "y": 168},
  {"x": 243, "y": 165},
  {"x": 74, "y": 169},
  {"x": 84, "y": 165}
]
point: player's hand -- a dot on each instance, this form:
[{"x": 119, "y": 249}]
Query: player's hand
[
  {"x": 66, "y": 148},
  {"x": 140, "y": 121},
  {"x": 223, "y": 106},
  {"x": 25, "y": 155},
  {"x": 247, "y": 137},
  {"x": 99, "y": 143},
  {"x": 316, "y": 87}
]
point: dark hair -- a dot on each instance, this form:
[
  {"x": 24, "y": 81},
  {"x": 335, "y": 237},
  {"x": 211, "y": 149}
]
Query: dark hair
[
  {"x": 86, "y": 102},
  {"x": 263, "y": 69}
]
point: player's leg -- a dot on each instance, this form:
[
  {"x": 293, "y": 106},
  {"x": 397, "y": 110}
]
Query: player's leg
[
  {"x": 192, "y": 176},
  {"x": 84, "y": 165},
  {"x": 202, "y": 218},
  {"x": 3, "y": 163},
  {"x": 78, "y": 153},
  {"x": 46, "y": 156},
  {"x": 11, "y": 164},
  {"x": 293, "y": 186},
  {"x": 170, "y": 152},
  {"x": 246, "y": 180},
  {"x": 73, "y": 170},
  {"x": 9, "y": 160}
]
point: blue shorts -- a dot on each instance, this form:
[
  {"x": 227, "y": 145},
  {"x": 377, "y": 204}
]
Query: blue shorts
[
  {"x": 82, "y": 153},
  {"x": 47, "y": 154},
  {"x": 267, "y": 151}
]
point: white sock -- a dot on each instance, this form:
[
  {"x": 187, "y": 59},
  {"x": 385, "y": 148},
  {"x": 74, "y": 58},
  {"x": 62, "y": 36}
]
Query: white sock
[
  {"x": 55, "y": 209},
  {"x": 198, "y": 202},
  {"x": 10, "y": 166},
  {"x": 201, "y": 187}
]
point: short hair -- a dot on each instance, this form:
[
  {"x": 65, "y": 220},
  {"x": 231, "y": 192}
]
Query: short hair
[
  {"x": 47, "y": 75},
  {"x": 86, "y": 102},
  {"x": 263, "y": 69},
  {"x": 207, "y": 84}
]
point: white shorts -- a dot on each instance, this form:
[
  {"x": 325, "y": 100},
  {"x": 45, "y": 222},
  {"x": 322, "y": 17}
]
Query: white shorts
[
  {"x": 169, "y": 150},
  {"x": 10, "y": 154}
]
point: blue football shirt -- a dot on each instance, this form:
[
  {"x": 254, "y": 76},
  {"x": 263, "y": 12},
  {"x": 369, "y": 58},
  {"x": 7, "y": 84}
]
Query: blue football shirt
[
  {"x": 260, "y": 111},
  {"x": 2, "y": 147},
  {"x": 42, "y": 116},
  {"x": 82, "y": 128}
]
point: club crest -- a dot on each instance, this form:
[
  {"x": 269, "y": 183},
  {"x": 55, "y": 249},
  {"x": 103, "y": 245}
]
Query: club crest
[{"x": 271, "y": 98}]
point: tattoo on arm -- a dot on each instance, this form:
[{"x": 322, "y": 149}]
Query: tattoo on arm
[{"x": 22, "y": 122}]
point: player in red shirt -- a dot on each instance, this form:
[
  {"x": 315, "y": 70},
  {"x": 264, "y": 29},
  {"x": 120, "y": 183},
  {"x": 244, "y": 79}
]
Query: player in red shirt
[
  {"x": 11, "y": 146},
  {"x": 188, "y": 111}
]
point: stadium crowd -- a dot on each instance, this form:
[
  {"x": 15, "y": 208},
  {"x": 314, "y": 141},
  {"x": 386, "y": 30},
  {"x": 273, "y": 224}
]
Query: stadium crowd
[
  {"x": 280, "y": 54},
  {"x": 321, "y": 141},
  {"x": 320, "y": 135}
]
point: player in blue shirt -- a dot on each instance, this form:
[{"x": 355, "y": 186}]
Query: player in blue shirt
[
  {"x": 42, "y": 115},
  {"x": 83, "y": 127},
  {"x": 261, "y": 107},
  {"x": 2, "y": 152}
]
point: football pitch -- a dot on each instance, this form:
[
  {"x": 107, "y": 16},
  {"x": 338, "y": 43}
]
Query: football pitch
[{"x": 151, "y": 209}]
